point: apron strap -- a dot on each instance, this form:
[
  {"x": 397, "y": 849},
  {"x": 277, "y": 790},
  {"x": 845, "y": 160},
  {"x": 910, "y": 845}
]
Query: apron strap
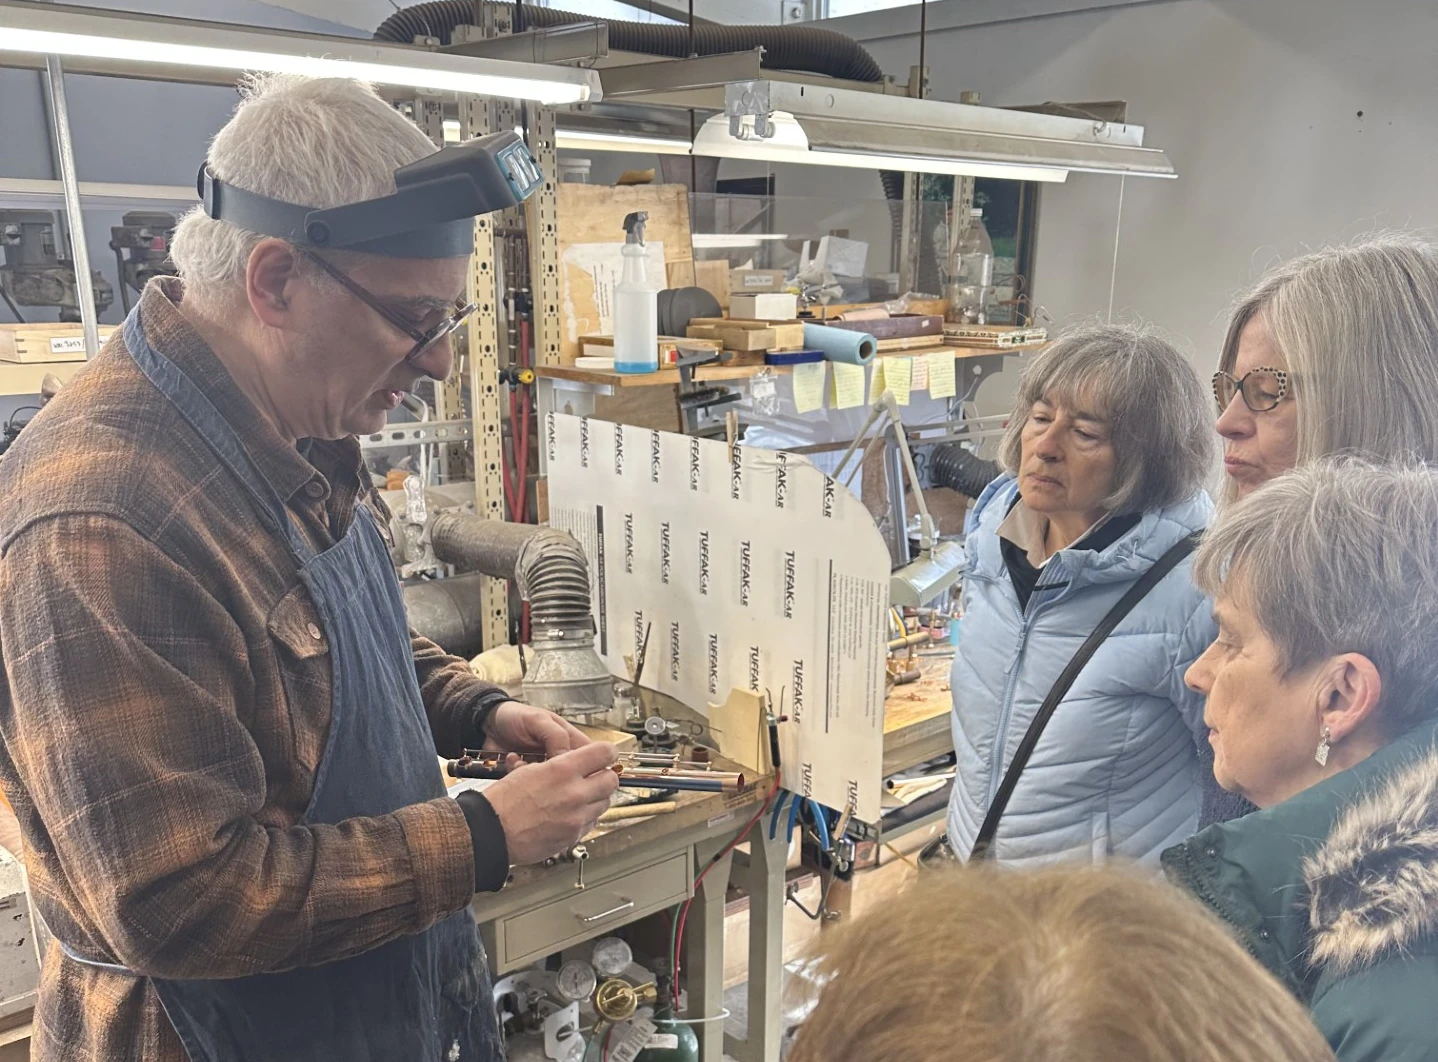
[{"x": 202, "y": 415}]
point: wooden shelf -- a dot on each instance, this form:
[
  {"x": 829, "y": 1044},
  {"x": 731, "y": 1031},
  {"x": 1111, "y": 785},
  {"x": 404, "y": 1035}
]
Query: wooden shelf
[
  {"x": 725, "y": 373},
  {"x": 24, "y": 379}
]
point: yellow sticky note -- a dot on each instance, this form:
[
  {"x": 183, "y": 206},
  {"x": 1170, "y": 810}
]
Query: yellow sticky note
[
  {"x": 898, "y": 374},
  {"x": 941, "y": 374},
  {"x": 848, "y": 385},
  {"x": 877, "y": 382},
  {"x": 809, "y": 380},
  {"x": 920, "y": 381}
]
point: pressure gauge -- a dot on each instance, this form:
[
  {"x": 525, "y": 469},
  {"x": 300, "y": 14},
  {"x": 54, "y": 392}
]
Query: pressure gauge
[
  {"x": 612, "y": 956},
  {"x": 576, "y": 980}
]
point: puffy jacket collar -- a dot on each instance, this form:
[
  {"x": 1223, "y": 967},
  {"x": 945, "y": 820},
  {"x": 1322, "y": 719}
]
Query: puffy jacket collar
[
  {"x": 1126, "y": 559},
  {"x": 1333, "y": 877}
]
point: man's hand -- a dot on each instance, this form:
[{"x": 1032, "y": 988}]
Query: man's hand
[
  {"x": 545, "y": 808},
  {"x": 515, "y": 727}
]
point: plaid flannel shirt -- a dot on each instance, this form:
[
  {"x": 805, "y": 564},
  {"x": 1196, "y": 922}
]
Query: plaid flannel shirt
[{"x": 166, "y": 701}]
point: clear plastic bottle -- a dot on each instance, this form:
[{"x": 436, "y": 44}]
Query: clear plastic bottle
[
  {"x": 974, "y": 276},
  {"x": 636, "y": 306}
]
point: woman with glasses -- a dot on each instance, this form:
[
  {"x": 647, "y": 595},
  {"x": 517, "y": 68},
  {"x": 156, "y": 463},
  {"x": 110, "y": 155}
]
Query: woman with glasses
[
  {"x": 1106, "y": 453},
  {"x": 1334, "y": 351}
]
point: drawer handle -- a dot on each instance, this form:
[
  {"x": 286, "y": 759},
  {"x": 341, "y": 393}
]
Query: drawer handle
[{"x": 627, "y": 905}]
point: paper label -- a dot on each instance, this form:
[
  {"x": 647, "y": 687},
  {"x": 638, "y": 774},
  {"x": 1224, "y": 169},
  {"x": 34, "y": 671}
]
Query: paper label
[
  {"x": 720, "y": 820},
  {"x": 848, "y": 386},
  {"x": 664, "y": 1041},
  {"x": 920, "y": 378},
  {"x": 898, "y": 375},
  {"x": 809, "y": 380},
  {"x": 941, "y": 374},
  {"x": 762, "y": 281},
  {"x": 757, "y": 573},
  {"x": 604, "y": 265},
  {"x": 67, "y": 344},
  {"x": 635, "y": 1040}
]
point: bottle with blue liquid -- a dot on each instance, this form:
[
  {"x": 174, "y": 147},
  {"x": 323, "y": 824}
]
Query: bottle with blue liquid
[{"x": 636, "y": 306}]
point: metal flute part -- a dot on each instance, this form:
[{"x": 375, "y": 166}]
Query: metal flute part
[{"x": 627, "y": 780}]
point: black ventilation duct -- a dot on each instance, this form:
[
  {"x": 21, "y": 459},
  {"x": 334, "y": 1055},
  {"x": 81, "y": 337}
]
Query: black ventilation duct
[{"x": 798, "y": 48}]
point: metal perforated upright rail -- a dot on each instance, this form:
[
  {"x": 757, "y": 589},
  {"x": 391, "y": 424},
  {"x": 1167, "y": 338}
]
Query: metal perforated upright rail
[
  {"x": 428, "y": 114},
  {"x": 543, "y": 211},
  {"x": 476, "y": 119}
]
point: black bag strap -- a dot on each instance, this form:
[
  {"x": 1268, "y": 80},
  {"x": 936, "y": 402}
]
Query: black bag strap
[{"x": 1137, "y": 592}]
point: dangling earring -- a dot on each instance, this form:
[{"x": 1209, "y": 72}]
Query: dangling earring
[{"x": 1322, "y": 754}]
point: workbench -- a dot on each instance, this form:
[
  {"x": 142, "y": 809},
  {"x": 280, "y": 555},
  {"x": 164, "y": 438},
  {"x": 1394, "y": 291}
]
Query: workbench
[
  {"x": 637, "y": 868},
  {"x": 640, "y": 867}
]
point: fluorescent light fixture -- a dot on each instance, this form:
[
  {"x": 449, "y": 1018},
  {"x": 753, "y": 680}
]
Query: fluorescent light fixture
[
  {"x": 719, "y": 240},
  {"x": 583, "y": 140},
  {"x": 88, "y": 34},
  {"x": 788, "y": 142},
  {"x": 791, "y": 122}
]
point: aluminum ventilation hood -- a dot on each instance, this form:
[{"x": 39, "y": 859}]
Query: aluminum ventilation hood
[{"x": 781, "y": 121}]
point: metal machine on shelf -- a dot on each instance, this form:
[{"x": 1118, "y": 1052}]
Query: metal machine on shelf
[
  {"x": 34, "y": 272},
  {"x": 141, "y": 243}
]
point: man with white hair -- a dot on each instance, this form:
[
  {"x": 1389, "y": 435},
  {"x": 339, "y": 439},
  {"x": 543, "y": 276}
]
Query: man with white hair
[{"x": 219, "y": 734}]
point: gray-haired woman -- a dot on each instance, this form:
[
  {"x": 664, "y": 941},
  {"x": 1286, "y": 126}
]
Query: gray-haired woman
[
  {"x": 1322, "y": 709},
  {"x": 1332, "y": 352},
  {"x": 1106, "y": 452}
]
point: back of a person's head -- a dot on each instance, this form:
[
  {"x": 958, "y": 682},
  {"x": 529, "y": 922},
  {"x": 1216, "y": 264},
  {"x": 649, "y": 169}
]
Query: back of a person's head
[{"x": 1055, "y": 965}]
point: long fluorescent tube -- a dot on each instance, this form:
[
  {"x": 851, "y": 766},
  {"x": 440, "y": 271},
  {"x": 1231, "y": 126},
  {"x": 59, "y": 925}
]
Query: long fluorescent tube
[
  {"x": 46, "y": 29},
  {"x": 582, "y": 140},
  {"x": 791, "y": 144}
]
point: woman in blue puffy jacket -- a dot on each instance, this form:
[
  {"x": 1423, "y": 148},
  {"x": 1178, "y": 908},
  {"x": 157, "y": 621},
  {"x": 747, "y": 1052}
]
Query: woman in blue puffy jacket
[{"x": 1106, "y": 453}]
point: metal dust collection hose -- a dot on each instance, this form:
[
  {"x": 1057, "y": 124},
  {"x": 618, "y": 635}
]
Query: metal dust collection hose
[{"x": 552, "y": 574}]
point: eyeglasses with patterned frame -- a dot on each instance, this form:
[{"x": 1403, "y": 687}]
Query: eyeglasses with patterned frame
[
  {"x": 423, "y": 338},
  {"x": 1262, "y": 388}
]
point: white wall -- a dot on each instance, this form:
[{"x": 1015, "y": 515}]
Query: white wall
[{"x": 1257, "y": 102}]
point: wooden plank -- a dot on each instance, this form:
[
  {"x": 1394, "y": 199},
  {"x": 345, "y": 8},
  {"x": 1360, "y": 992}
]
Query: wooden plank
[
  {"x": 45, "y": 343},
  {"x": 921, "y": 306},
  {"x": 594, "y": 214}
]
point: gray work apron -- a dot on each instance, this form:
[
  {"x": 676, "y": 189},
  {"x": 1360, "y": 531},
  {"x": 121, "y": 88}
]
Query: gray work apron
[{"x": 423, "y": 997}]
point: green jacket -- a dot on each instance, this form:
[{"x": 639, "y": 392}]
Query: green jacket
[{"x": 1335, "y": 891}]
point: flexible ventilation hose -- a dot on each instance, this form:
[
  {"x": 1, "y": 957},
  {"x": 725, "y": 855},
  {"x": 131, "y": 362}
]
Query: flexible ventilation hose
[
  {"x": 950, "y": 465},
  {"x": 802, "y": 48},
  {"x": 548, "y": 566}
]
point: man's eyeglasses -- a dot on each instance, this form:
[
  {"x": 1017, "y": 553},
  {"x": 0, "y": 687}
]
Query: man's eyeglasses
[
  {"x": 1262, "y": 389},
  {"x": 424, "y": 338}
]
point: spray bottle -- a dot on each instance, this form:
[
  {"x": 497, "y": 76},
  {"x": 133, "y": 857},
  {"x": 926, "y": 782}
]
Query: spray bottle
[{"x": 636, "y": 306}]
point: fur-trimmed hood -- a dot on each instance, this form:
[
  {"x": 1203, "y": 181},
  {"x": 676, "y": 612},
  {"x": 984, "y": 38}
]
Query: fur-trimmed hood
[{"x": 1373, "y": 885}]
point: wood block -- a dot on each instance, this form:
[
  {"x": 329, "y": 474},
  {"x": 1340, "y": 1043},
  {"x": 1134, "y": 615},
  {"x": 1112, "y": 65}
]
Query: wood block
[
  {"x": 736, "y": 338},
  {"x": 713, "y": 277},
  {"x": 30, "y": 344},
  {"x": 788, "y": 336},
  {"x": 681, "y": 274}
]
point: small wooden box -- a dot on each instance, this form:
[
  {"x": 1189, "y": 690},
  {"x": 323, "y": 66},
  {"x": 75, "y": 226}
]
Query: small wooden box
[{"x": 32, "y": 343}]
